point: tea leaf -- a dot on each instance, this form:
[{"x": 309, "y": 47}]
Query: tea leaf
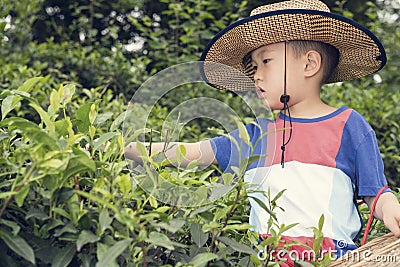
[
  {"x": 159, "y": 239},
  {"x": 198, "y": 236},
  {"x": 45, "y": 118},
  {"x": 104, "y": 220},
  {"x": 202, "y": 258},
  {"x": 30, "y": 83},
  {"x": 236, "y": 245},
  {"x": 18, "y": 245},
  {"x": 64, "y": 257},
  {"x": 8, "y": 104},
  {"x": 84, "y": 238},
  {"x": 21, "y": 195},
  {"x": 113, "y": 252}
]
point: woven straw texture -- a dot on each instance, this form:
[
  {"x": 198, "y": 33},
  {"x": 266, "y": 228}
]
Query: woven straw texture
[
  {"x": 381, "y": 251},
  {"x": 360, "y": 54}
]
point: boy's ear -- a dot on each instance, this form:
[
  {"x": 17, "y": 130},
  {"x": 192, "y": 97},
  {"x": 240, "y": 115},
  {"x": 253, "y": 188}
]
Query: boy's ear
[{"x": 313, "y": 63}]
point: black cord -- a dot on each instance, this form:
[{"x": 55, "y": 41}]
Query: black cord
[{"x": 285, "y": 99}]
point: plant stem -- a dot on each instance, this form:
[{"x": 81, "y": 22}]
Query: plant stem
[
  {"x": 234, "y": 204},
  {"x": 24, "y": 181}
]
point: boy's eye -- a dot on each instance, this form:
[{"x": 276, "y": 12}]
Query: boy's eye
[{"x": 265, "y": 61}]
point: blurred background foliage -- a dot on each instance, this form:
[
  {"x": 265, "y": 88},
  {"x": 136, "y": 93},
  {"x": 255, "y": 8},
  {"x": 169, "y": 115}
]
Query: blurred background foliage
[
  {"x": 117, "y": 45},
  {"x": 94, "y": 55}
]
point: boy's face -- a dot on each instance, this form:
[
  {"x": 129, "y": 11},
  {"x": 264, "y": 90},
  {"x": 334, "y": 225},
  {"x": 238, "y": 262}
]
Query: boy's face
[{"x": 269, "y": 76}]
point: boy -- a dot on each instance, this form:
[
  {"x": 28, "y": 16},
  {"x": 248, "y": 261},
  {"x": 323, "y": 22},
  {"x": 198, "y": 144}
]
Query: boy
[{"x": 328, "y": 156}]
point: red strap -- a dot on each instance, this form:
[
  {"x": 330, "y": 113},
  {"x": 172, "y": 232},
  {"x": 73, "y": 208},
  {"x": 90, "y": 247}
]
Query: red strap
[{"x": 371, "y": 214}]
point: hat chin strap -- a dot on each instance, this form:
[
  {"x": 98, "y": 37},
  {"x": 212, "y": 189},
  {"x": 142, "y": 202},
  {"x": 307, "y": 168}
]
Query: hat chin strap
[{"x": 285, "y": 99}]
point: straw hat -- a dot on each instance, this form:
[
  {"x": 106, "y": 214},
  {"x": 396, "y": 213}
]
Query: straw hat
[{"x": 361, "y": 53}]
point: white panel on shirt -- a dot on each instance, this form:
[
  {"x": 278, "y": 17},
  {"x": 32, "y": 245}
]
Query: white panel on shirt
[{"x": 311, "y": 190}]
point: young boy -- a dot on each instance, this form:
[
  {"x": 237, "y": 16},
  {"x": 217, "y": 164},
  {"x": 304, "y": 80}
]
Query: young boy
[{"x": 324, "y": 157}]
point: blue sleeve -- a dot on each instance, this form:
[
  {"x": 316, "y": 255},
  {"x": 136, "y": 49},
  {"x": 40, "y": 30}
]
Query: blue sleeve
[
  {"x": 228, "y": 153},
  {"x": 369, "y": 167},
  {"x": 359, "y": 156}
]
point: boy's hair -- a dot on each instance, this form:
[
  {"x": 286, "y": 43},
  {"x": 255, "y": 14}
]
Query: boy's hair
[{"x": 329, "y": 55}]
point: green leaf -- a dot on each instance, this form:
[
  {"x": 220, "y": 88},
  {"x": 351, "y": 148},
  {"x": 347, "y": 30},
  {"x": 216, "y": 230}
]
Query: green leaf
[
  {"x": 7, "y": 194},
  {"x": 243, "y": 134},
  {"x": 62, "y": 212},
  {"x": 84, "y": 238},
  {"x": 198, "y": 236},
  {"x": 160, "y": 239},
  {"x": 79, "y": 162},
  {"x": 66, "y": 92},
  {"x": 141, "y": 149},
  {"x": 104, "y": 220},
  {"x": 280, "y": 193},
  {"x": 8, "y": 104},
  {"x": 21, "y": 195},
  {"x": 54, "y": 101},
  {"x": 82, "y": 121},
  {"x": 117, "y": 122},
  {"x": 321, "y": 222},
  {"x": 263, "y": 206},
  {"x": 284, "y": 228},
  {"x": 112, "y": 253},
  {"x": 92, "y": 114},
  {"x": 46, "y": 119},
  {"x": 101, "y": 118},
  {"x": 4, "y": 136},
  {"x": 124, "y": 183},
  {"x": 236, "y": 245},
  {"x": 13, "y": 225},
  {"x": 173, "y": 226},
  {"x": 32, "y": 131},
  {"x": 180, "y": 153},
  {"x": 18, "y": 245},
  {"x": 240, "y": 227},
  {"x": 103, "y": 139},
  {"x": 64, "y": 257},
  {"x": 37, "y": 214},
  {"x": 67, "y": 229},
  {"x": 28, "y": 84},
  {"x": 61, "y": 127},
  {"x": 205, "y": 175},
  {"x": 203, "y": 258}
]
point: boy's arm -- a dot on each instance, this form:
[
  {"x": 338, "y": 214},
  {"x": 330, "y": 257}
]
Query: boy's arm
[
  {"x": 388, "y": 210},
  {"x": 200, "y": 151}
]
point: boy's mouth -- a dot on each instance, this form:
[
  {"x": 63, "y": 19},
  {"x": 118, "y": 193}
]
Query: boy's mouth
[{"x": 260, "y": 92}]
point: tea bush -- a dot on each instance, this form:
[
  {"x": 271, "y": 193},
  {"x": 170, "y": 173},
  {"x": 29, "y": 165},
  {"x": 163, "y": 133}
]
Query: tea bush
[{"x": 67, "y": 200}]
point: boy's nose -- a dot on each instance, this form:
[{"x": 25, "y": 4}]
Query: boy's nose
[{"x": 257, "y": 77}]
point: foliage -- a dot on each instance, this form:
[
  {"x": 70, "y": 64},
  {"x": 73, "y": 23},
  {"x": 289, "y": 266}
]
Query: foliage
[
  {"x": 67, "y": 74},
  {"x": 67, "y": 200}
]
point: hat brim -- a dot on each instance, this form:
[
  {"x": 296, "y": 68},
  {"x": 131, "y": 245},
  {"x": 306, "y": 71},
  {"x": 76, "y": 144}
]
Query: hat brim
[{"x": 361, "y": 53}]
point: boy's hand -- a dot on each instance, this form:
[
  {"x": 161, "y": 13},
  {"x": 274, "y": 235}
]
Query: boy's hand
[
  {"x": 391, "y": 217},
  {"x": 388, "y": 210}
]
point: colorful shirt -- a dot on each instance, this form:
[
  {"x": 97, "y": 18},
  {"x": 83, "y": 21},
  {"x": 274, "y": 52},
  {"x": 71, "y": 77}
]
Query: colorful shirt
[{"x": 330, "y": 161}]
